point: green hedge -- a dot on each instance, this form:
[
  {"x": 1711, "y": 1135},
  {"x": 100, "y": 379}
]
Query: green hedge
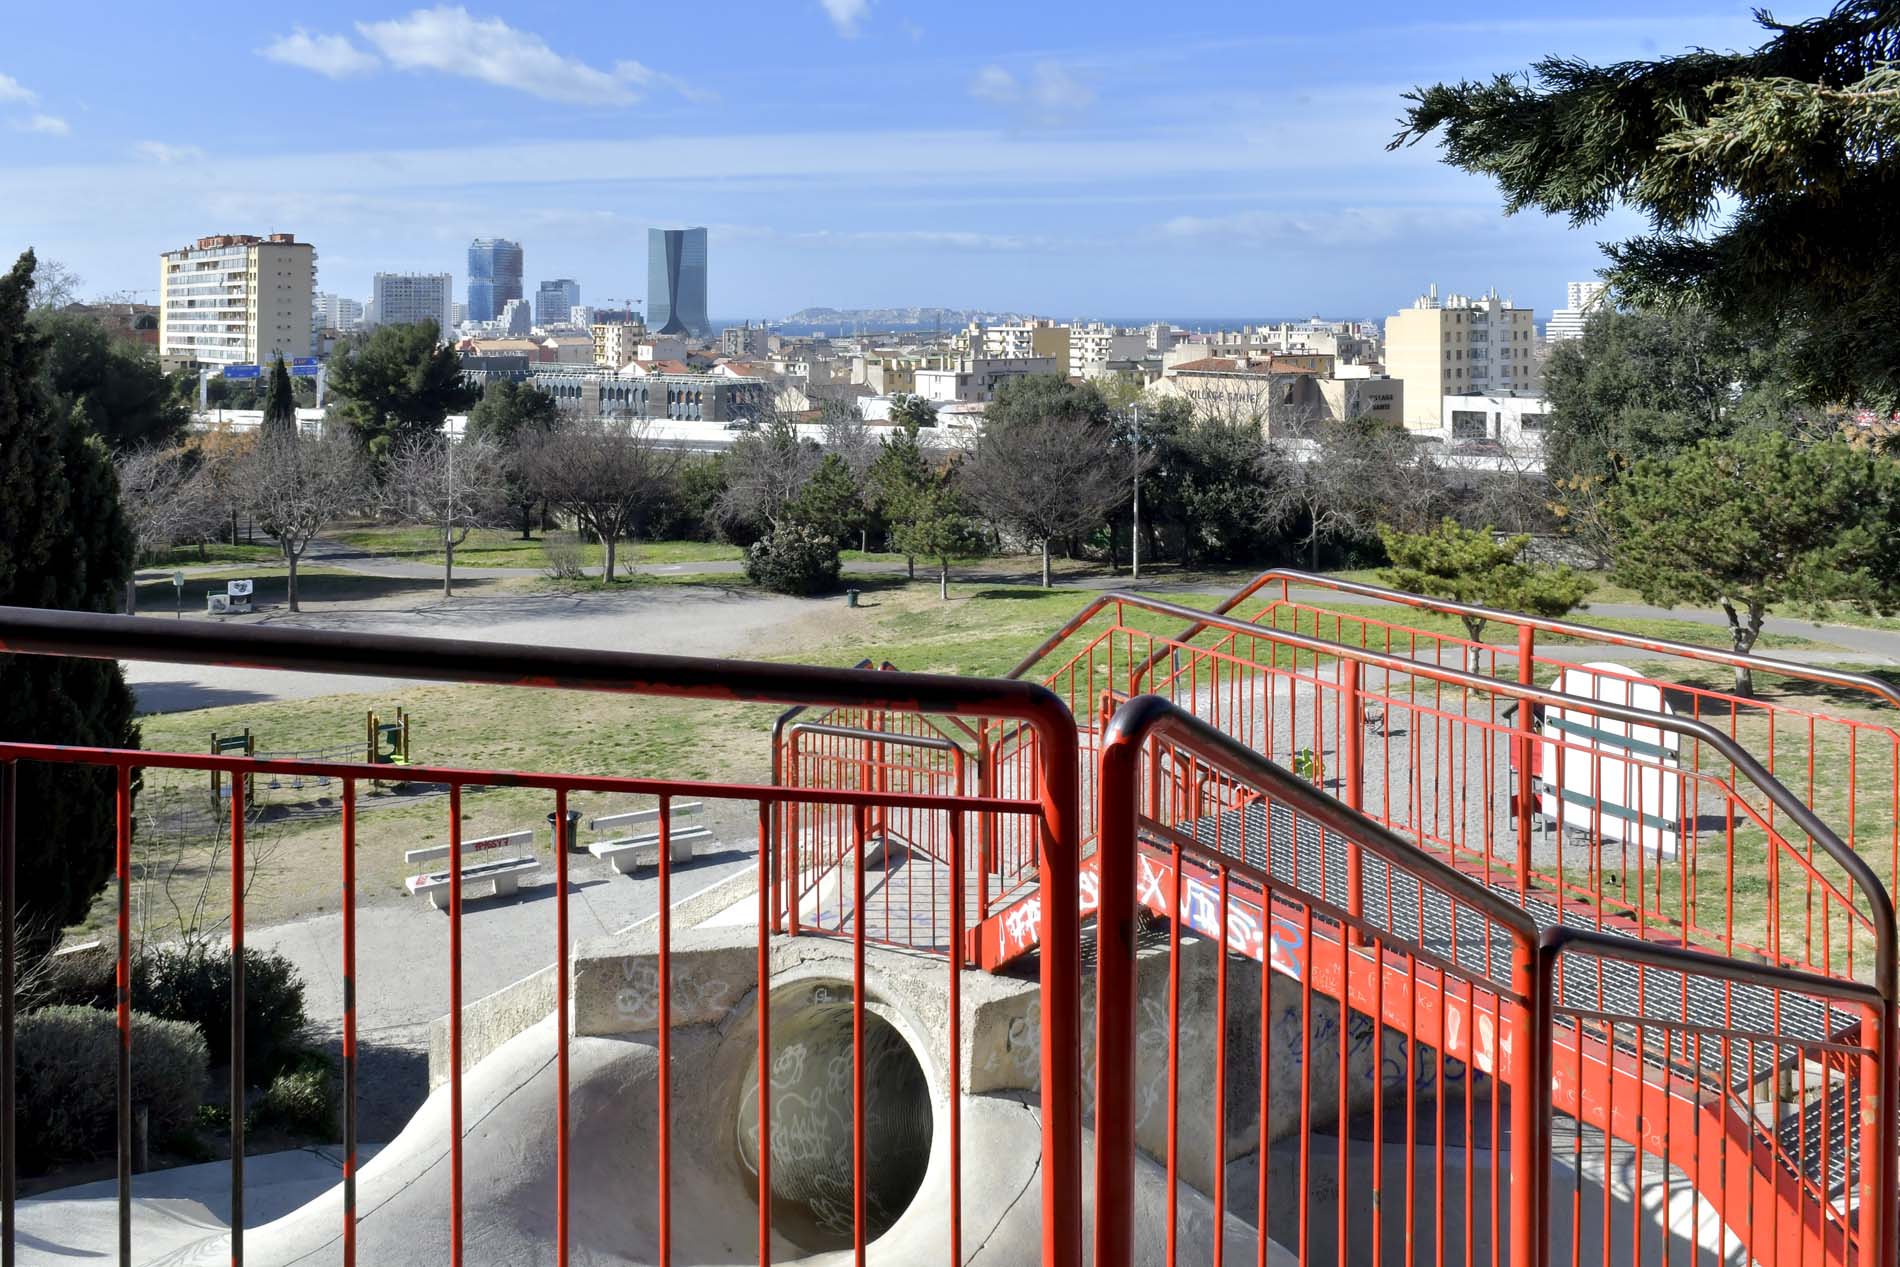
[
  {"x": 794, "y": 560},
  {"x": 68, "y": 1081},
  {"x": 193, "y": 984}
]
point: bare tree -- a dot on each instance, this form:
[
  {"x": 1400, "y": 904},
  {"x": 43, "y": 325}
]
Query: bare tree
[
  {"x": 766, "y": 469},
  {"x": 1505, "y": 489},
  {"x": 54, "y": 285},
  {"x": 848, "y": 437},
  {"x": 168, "y": 498},
  {"x": 295, "y": 485},
  {"x": 607, "y": 475},
  {"x": 452, "y": 488},
  {"x": 1048, "y": 479},
  {"x": 1350, "y": 478}
]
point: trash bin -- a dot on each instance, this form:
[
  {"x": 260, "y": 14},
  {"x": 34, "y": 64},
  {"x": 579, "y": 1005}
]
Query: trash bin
[
  {"x": 573, "y": 829},
  {"x": 850, "y": 598}
]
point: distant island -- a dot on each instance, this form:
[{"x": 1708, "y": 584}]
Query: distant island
[{"x": 914, "y": 318}]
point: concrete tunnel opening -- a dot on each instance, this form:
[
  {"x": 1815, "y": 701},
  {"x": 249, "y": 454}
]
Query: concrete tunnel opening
[{"x": 811, "y": 1119}]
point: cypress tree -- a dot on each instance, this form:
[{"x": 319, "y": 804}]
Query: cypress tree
[
  {"x": 280, "y": 403},
  {"x": 63, "y": 544}
]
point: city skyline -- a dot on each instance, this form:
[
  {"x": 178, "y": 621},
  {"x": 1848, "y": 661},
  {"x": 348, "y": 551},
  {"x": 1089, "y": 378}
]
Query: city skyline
[{"x": 949, "y": 159}]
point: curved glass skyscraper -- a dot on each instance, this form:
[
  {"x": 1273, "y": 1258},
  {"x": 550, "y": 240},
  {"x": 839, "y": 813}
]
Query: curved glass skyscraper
[
  {"x": 494, "y": 277},
  {"x": 676, "y": 282}
]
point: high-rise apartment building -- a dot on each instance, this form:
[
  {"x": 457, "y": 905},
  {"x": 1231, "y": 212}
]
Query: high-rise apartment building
[
  {"x": 555, "y": 301},
  {"x": 517, "y": 317},
  {"x": 676, "y": 282},
  {"x": 494, "y": 276},
  {"x": 617, "y": 342},
  {"x": 403, "y": 299},
  {"x": 1462, "y": 345},
  {"x": 1580, "y": 300},
  {"x": 237, "y": 299},
  {"x": 336, "y": 312}
]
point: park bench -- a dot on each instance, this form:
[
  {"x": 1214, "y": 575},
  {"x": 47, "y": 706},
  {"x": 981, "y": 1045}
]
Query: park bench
[
  {"x": 642, "y": 849},
  {"x": 484, "y": 861}
]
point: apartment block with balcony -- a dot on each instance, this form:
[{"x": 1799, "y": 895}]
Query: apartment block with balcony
[
  {"x": 617, "y": 342},
  {"x": 403, "y": 299},
  {"x": 1097, "y": 349},
  {"x": 1459, "y": 346},
  {"x": 974, "y": 379},
  {"x": 1581, "y": 299},
  {"x": 237, "y": 299}
]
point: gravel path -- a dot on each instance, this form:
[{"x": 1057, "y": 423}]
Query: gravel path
[{"x": 677, "y": 621}]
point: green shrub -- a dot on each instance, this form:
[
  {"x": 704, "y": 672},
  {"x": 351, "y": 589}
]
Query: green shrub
[
  {"x": 794, "y": 560},
  {"x": 68, "y": 1081},
  {"x": 193, "y": 984},
  {"x": 302, "y": 1100}
]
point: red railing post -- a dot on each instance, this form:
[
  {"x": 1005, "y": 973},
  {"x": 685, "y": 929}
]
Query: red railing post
[
  {"x": 1352, "y": 770},
  {"x": 9, "y": 809},
  {"x": 123, "y": 977},
  {"x": 1526, "y": 637},
  {"x": 1118, "y": 791},
  {"x": 562, "y": 842},
  {"x": 237, "y": 1032},
  {"x": 1880, "y": 1134},
  {"x": 1533, "y": 973}
]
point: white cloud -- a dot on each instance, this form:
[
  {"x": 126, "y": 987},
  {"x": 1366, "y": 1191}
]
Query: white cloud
[
  {"x": 1051, "y": 93},
  {"x": 45, "y": 124},
  {"x": 1330, "y": 226},
  {"x": 12, "y": 89},
  {"x": 450, "y": 40},
  {"x": 846, "y": 14},
  {"x": 944, "y": 239},
  {"x": 996, "y": 86},
  {"x": 331, "y": 55},
  {"x": 163, "y": 152}
]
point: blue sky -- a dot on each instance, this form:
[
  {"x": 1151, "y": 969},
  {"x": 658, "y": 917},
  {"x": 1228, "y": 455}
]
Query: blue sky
[{"x": 1067, "y": 159}]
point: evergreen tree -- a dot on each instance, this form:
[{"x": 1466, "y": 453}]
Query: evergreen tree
[
  {"x": 280, "y": 403},
  {"x": 398, "y": 383},
  {"x": 1469, "y": 565},
  {"x": 830, "y": 501},
  {"x": 1759, "y": 519},
  {"x": 63, "y": 544},
  {"x": 125, "y": 397},
  {"x": 1771, "y": 179},
  {"x": 898, "y": 472},
  {"x": 936, "y": 523}
]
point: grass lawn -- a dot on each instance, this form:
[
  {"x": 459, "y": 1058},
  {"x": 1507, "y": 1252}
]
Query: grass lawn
[
  {"x": 495, "y": 547},
  {"x": 213, "y": 552}
]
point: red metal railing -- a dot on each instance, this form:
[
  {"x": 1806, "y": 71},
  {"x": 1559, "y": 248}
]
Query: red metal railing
[
  {"x": 1461, "y": 980},
  {"x": 1645, "y": 1060},
  {"x": 1053, "y": 808},
  {"x": 1845, "y": 767},
  {"x": 1648, "y": 825}
]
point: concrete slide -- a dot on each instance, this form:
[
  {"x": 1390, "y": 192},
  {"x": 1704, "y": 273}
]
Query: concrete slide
[{"x": 509, "y": 1153}]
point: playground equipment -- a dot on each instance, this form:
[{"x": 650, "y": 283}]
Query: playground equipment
[
  {"x": 1374, "y": 1014},
  {"x": 296, "y": 770},
  {"x": 387, "y": 743},
  {"x": 222, "y": 745}
]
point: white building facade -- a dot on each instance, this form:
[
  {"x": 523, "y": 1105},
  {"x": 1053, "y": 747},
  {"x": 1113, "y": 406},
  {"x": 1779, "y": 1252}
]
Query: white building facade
[
  {"x": 237, "y": 299},
  {"x": 1580, "y": 300},
  {"x": 405, "y": 298}
]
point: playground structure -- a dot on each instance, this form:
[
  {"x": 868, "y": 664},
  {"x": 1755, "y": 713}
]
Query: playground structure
[
  {"x": 384, "y": 743},
  {"x": 1403, "y": 948}
]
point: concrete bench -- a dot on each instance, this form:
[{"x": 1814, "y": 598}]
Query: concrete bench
[
  {"x": 484, "y": 861},
  {"x": 624, "y": 853}
]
